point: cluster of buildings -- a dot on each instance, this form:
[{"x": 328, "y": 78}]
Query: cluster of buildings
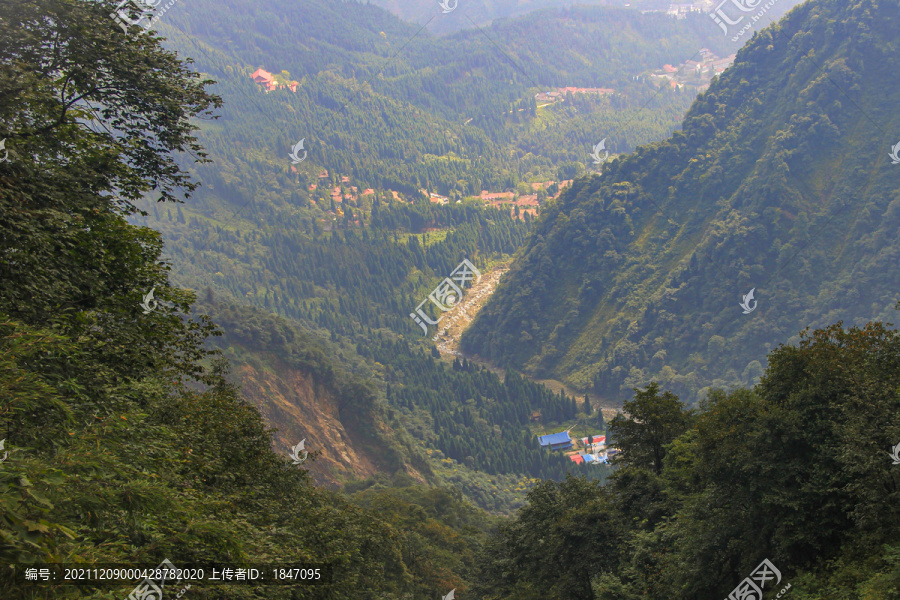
[
  {"x": 593, "y": 447},
  {"x": 682, "y": 10},
  {"x": 340, "y": 193},
  {"x": 526, "y": 203},
  {"x": 559, "y": 94},
  {"x": 269, "y": 82},
  {"x": 697, "y": 73}
]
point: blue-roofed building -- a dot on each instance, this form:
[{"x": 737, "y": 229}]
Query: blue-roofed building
[{"x": 556, "y": 441}]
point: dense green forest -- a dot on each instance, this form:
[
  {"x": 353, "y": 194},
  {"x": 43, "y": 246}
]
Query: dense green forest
[
  {"x": 258, "y": 233},
  {"x": 475, "y": 417},
  {"x": 345, "y": 280},
  {"x": 779, "y": 182}
]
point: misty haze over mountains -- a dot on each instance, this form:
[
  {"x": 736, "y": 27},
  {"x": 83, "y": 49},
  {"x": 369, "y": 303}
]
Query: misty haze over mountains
[{"x": 483, "y": 12}]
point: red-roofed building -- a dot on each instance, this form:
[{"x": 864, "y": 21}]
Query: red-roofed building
[
  {"x": 262, "y": 76},
  {"x": 488, "y": 196},
  {"x": 593, "y": 439},
  {"x": 267, "y": 80},
  {"x": 594, "y": 443},
  {"x": 669, "y": 69}
]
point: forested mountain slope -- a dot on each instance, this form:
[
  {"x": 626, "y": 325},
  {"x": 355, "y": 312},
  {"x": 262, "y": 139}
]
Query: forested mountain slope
[
  {"x": 304, "y": 392},
  {"x": 330, "y": 394},
  {"x": 780, "y": 182}
]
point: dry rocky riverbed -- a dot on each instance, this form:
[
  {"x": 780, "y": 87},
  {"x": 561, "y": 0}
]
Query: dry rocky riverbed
[{"x": 455, "y": 321}]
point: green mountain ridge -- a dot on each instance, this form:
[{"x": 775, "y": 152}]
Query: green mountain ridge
[{"x": 778, "y": 182}]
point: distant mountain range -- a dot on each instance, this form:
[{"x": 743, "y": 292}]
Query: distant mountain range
[{"x": 467, "y": 14}]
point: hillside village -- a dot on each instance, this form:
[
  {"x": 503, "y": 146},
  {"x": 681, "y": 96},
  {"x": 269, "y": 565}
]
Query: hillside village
[
  {"x": 334, "y": 196},
  {"x": 683, "y": 9},
  {"x": 558, "y": 94},
  {"x": 695, "y": 74},
  {"x": 593, "y": 449}
]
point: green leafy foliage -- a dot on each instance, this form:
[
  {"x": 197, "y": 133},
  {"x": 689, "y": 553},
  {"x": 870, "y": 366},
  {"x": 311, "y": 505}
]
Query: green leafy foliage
[
  {"x": 792, "y": 470},
  {"x": 126, "y": 442}
]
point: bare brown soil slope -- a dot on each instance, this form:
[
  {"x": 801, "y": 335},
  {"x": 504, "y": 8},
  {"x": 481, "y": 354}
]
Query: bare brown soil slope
[{"x": 349, "y": 445}]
